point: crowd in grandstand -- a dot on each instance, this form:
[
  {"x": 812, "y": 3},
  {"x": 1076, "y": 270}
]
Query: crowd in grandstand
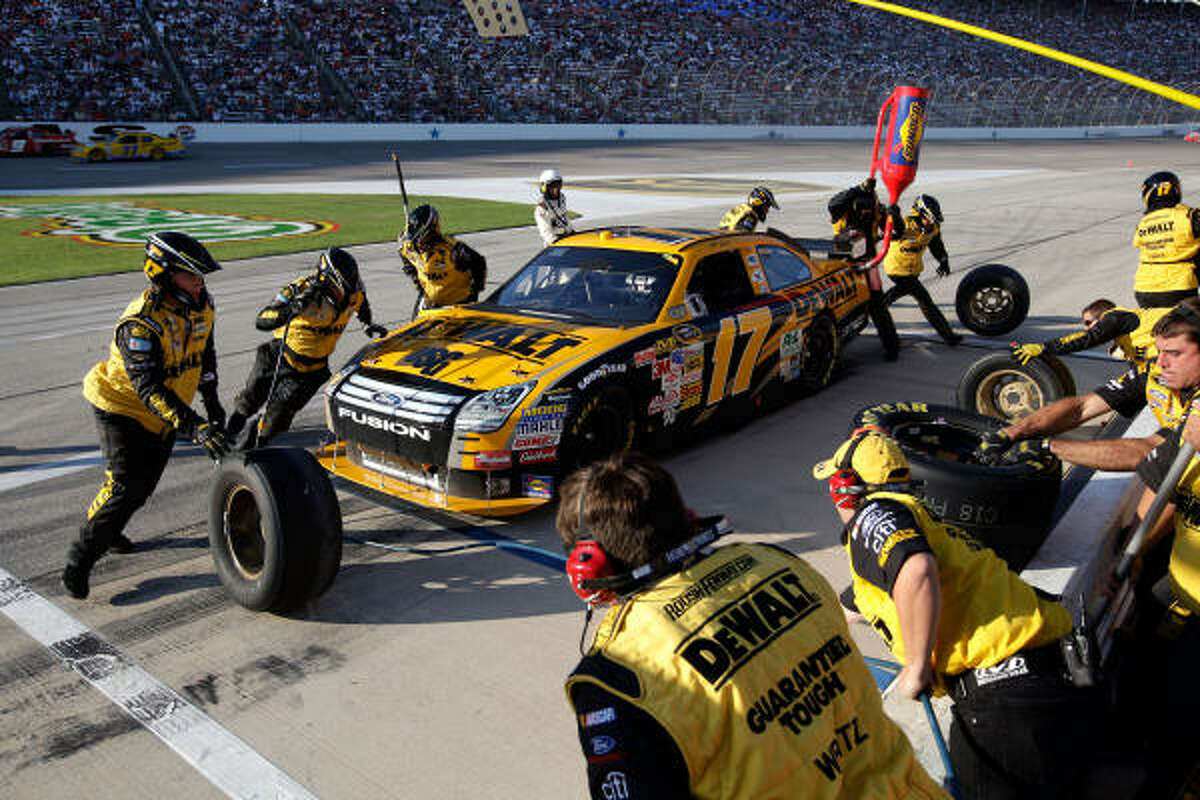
[{"x": 583, "y": 60}]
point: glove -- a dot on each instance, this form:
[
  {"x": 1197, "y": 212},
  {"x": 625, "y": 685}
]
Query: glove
[
  {"x": 301, "y": 300},
  {"x": 376, "y": 331},
  {"x": 943, "y": 269},
  {"x": 1024, "y": 353},
  {"x": 897, "y": 217},
  {"x": 991, "y": 447},
  {"x": 213, "y": 439},
  {"x": 1031, "y": 451},
  {"x": 214, "y": 410}
]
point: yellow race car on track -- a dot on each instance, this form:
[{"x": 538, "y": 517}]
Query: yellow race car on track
[
  {"x": 125, "y": 143},
  {"x": 606, "y": 338}
]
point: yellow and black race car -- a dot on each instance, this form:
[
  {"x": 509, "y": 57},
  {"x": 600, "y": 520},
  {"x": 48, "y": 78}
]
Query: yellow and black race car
[
  {"x": 604, "y": 338},
  {"x": 126, "y": 143}
]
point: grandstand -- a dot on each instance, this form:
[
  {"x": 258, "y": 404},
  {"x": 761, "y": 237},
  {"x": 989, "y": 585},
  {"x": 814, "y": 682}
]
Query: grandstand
[{"x": 821, "y": 62}]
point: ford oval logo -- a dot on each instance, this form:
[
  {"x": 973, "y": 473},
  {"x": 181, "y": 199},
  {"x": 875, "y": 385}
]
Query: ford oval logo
[{"x": 387, "y": 399}]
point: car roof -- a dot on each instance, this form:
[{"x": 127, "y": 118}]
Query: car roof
[{"x": 677, "y": 239}]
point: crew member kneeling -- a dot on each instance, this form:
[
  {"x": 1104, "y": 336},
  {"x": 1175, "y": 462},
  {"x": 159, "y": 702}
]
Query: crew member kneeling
[{"x": 720, "y": 673}]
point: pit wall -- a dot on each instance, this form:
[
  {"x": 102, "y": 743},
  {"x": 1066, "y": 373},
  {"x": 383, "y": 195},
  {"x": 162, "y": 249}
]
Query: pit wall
[{"x": 261, "y": 132}]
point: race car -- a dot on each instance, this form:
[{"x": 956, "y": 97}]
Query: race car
[
  {"x": 127, "y": 142},
  {"x": 36, "y": 140},
  {"x": 607, "y": 339},
  {"x": 1192, "y": 136}
]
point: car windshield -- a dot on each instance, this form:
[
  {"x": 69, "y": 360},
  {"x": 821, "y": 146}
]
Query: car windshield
[{"x": 609, "y": 285}]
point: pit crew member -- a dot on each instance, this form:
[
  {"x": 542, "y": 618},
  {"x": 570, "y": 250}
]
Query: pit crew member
[
  {"x": 857, "y": 217},
  {"x": 744, "y": 217},
  {"x": 719, "y": 672},
  {"x": 963, "y": 624},
  {"x": 904, "y": 262},
  {"x": 1168, "y": 240},
  {"x": 161, "y": 352},
  {"x": 1167, "y": 388},
  {"x": 308, "y": 316},
  {"x": 550, "y": 213},
  {"x": 445, "y": 271},
  {"x": 1129, "y": 329}
]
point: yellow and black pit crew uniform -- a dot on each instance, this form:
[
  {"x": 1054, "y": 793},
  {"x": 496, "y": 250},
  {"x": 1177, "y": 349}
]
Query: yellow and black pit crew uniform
[
  {"x": 307, "y": 325},
  {"x": 1129, "y": 329},
  {"x": 857, "y": 213},
  {"x": 1165, "y": 667},
  {"x": 1168, "y": 240},
  {"x": 447, "y": 273},
  {"x": 741, "y": 218},
  {"x": 904, "y": 263},
  {"x": 737, "y": 677},
  {"x": 161, "y": 353},
  {"x": 1020, "y": 727}
]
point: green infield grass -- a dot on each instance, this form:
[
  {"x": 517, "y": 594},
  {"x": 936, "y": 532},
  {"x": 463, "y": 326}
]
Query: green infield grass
[{"x": 343, "y": 219}]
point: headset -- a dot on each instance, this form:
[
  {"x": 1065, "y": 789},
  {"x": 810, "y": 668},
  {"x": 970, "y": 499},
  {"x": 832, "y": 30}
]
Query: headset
[
  {"x": 591, "y": 571},
  {"x": 845, "y": 485}
]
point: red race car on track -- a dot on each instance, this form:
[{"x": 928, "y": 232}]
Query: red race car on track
[
  {"x": 1192, "y": 136},
  {"x": 36, "y": 140}
]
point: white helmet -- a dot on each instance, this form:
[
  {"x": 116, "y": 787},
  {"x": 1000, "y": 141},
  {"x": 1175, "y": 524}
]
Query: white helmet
[{"x": 548, "y": 177}]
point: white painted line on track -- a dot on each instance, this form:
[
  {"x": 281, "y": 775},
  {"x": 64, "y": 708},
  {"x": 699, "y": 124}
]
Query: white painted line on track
[
  {"x": 220, "y": 756},
  {"x": 33, "y": 473}
]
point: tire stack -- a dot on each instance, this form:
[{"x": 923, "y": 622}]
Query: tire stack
[{"x": 1008, "y": 508}]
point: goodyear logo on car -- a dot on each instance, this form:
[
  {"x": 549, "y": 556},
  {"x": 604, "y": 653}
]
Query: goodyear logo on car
[{"x": 122, "y": 223}]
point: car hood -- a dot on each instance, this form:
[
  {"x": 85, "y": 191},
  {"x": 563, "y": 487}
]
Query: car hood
[{"x": 479, "y": 351}]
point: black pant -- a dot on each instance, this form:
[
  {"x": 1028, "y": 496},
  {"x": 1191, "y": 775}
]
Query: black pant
[
  {"x": 293, "y": 389},
  {"x": 911, "y": 285},
  {"x": 1163, "y": 299},
  {"x": 885, "y": 326},
  {"x": 1030, "y": 735},
  {"x": 136, "y": 460},
  {"x": 1173, "y": 768}
]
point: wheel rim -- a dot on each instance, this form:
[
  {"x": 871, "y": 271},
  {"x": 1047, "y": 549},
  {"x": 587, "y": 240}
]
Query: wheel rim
[
  {"x": 991, "y": 304},
  {"x": 1008, "y": 394},
  {"x": 156, "y": 155},
  {"x": 243, "y": 532},
  {"x": 96, "y": 155},
  {"x": 818, "y": 351}
]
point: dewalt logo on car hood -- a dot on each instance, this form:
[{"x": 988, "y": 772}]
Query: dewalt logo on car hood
[{"x": 118, "y": 223}]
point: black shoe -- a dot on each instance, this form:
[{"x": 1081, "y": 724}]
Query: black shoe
[
  {"x": 953, "y": 339},
  {"x": 75, "y": 580},
  {"x": 122, "y": 544},
  {"x": 891, "y": 355},
  {"x": 233, "y": 426}
]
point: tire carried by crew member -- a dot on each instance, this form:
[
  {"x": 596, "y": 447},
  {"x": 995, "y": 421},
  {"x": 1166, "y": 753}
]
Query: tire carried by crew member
[
  {"x": 1008, "y": 507},
  {"x": 275, "y": 528},
  {"x": 999, "y": 386},
  {"x": 992, "y": 300}
]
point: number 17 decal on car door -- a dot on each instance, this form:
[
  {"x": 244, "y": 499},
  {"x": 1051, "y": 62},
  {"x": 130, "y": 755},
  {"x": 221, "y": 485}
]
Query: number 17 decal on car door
[{"x": 755, "y": 322}]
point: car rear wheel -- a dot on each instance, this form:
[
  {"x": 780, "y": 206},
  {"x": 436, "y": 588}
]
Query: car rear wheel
[
  {"x": 992, "y": 300},
  {"x": 157, "y": 154},
  {"x": 274, "y": 528},
  {"x": 602, "y": 426},
  {"x": 821, "y": 348},
  {"x": 95, "y": 155}
]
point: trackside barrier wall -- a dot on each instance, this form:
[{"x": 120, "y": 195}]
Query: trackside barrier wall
[
  {"x": 1077, "y": 555},
  {"x": 263, "y": 132}
]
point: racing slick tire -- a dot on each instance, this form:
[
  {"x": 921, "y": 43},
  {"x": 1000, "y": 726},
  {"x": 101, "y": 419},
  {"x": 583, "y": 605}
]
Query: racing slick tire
[
  {"x": 603, "y": 425},
  {"x": 274, "y": 528},
  {"x": 992, "y": 300},
  {"x": 821, "y": 348},
  {"x": 157, "y": 154},
  {"x": 95, "y": 155},
  {"x": 1009, "y": 507},
  {"x": 999, "y": 386}
]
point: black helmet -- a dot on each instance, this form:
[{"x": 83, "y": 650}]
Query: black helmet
[
  {"x": 423, "y": 226},
  {"x": 1161, "y": 190},
  {"x": 927, "y": 206},
  {"x": 340, "y": 269},
  {"x": 171, "y": 251},
  {"x": 761, "y": 197}
]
